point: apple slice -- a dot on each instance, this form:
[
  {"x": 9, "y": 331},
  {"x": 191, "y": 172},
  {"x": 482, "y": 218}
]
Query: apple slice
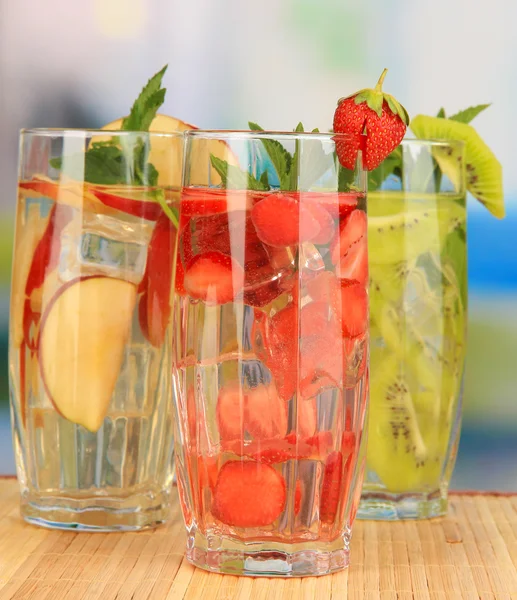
[
  {"x": 155, "y": 304},
  {"x": 29, "y": 231},
  {"x": 167, "y": 157},
  {"x": 84, "y": 331}
]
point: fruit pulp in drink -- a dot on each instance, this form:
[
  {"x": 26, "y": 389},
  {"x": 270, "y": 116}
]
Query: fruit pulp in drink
[
  {"x": 418, "y": 300},
  {"x": 272, "y": 363},
  {"x": 89, "y": 335}
]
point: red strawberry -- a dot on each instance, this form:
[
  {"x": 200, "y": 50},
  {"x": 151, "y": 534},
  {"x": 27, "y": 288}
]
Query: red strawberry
[
  {"x": 337, "y": 204},
  {"x": 281, "y": 220},
  {"x": 214, "y": 278},
  {"x": 297, "y": 497},
  {"x": 354, "y": 310},
  {"x": 314, "y": 318},
  {"x": 280, "y": 349},
  {"x": 354, "y": 263},
  {"x": 321, "y": 442},
  {"x": 248, "y": 494},
  {"x": 326, "y": 288},
  {"x": 377, "y": 115},
  {"x": 348, "y": 443},
  {"x": 331, "y": 487},
  {"x": 230, "y": 413},
  {"x": 205, "y": 201},
  {"x": 325, "y": 222},
  {"x": 266, "y": 412},
  {"x": 351, "y": 231}
]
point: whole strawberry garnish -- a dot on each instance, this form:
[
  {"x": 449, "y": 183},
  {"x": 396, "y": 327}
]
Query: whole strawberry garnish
[{"x": 381, "y": 118}]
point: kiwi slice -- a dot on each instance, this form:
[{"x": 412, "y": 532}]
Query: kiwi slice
[
  {"x": 484, "y": 171},
  {"x": 419, "y": 228}
]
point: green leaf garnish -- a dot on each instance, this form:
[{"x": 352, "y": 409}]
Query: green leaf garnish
[
  {"x": 146, "y": 105},
  {"x": 466, "y": 116},
  {"x": 391, "y": 165},
  {"x": 123, "y": 160},
  {"x": 441, "y": 113},
  {"x": 280, "y": 157},
  {"x": 235, "y": 178}
]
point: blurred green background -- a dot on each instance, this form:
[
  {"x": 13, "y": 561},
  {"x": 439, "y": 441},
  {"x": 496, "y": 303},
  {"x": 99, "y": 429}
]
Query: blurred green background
[{"x": 81, "y": 64}]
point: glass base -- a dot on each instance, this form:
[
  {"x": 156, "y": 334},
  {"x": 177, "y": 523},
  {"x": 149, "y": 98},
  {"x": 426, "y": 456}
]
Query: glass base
[
  {"x": 383, "y": 506},
  {"x": 96, "y": 513},
  {"x": 263, "y": 559}
]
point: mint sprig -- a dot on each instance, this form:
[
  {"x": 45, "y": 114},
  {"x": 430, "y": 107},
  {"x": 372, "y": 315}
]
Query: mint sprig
[
  {"x": 299, "y": 170},
  {"x": 234, "y": 178},
  {"x": 121, "y": 160}
]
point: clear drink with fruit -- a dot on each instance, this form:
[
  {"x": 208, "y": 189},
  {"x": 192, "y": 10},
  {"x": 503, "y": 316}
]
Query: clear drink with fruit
[
  {"x": 417, "y": 238},
  {"x": 271, "y": 352},
  {"x": 90, "y": 336}
]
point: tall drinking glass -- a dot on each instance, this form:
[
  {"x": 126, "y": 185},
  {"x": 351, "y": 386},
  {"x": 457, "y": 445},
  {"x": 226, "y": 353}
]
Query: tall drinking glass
[
  {"x": 271, "y": 352},
  {"x": 90, "y": 327},
  {"x": 418, "y": 304}
]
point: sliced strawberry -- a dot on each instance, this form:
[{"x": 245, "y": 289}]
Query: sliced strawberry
[
  {"x": 326, "y": 288},
  {"x": 155, "y": 304},
  {"x": 279, "y": 349},
  {"x": 351, "y": 231},
  {"x": 266, "y": 415},
  {"x": 179, "y": 279},
  {"x": 322, "y": 357},
  {"x": 297, "y": 497},
  {"x": 214, "y": 278},
  {"x": 322, "y": 442},
  {"x": 281, "y": 220},
  {"x": 48, "y": 250},
  {"x": 248, "y": 494},
  {"x": 331, "y": 487},
  {"x": 207, "y": 471},
  {"x": 279, "y": 450},
  {"x": 347, "y": 443},
  {"x": 204, "y": 201},
  {"x": 307, "y": 417},
  {"x": 354, "y": 299},
  {"x": 325, "y": 221},
  {"x": 337, "y": 204},
  {"x": 231, "y": 413},
  {"x": 354, "y": 263},
  {"x": 314, "y": 318}
]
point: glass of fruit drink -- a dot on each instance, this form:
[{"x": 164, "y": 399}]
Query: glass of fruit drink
[
  {"x": 271, "y": 351},
  {"x": 418, "y": 304},
  {"x": 90, "y": 327}
]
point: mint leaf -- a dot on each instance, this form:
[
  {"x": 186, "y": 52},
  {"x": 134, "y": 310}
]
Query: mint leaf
[
  {"x": 234, "y": 178},
  {"x": 146, "y": 106},
  {"x": 345, "y": 179},
  {"x": 466, "y": 116},
  {"x": 264, "y": 180},
  {"x": 280, "y": 157},
  {"x": 441, "y": 113}
]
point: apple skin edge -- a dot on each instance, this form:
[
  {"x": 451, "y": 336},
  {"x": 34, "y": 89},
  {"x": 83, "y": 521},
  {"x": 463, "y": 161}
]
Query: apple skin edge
[
  {"x": 44, "y": 318},
  {"x": 155, "y": 303}
]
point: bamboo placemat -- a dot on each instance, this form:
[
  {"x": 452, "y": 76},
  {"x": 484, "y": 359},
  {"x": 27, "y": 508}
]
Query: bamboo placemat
[{"x": 471, "y": 554}]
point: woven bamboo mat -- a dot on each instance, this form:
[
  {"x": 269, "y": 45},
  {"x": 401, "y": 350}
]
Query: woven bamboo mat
[{"x": 471, "y": 554}]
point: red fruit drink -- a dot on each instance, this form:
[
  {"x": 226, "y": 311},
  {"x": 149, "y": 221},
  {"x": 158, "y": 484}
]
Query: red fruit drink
[{"x": 271, "y": 350}]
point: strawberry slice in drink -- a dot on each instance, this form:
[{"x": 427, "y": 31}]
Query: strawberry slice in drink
[
  {"x": 282, "y": 220},
  {"x": 248, "y": 494},
  {"x": 279, "y": 349},
  {"x": 214, "y": 278},
  {"x": 337, "y": 204},
  {"x": 349, "y": 248},
  {"x": 196, "y": 202},
  {"x": 354, "y": 308},
  {"x": 331, "y": 487},
  {"x": 325, "y": 221},
  {"x": 266, "y": 412},
  {"x": 231, "y": 413}
]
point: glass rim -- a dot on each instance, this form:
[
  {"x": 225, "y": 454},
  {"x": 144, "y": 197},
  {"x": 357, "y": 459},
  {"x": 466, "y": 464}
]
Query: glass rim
[
  {"x": 86, "y": 132},
  {"x": 249, "y": 134},
  {"x": 432, "y": 142}
]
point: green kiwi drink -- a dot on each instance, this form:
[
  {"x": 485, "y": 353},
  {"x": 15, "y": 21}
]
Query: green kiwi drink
[{"x": 418, "y": 301}]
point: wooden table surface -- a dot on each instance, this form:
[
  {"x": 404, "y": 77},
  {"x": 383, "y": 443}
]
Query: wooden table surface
[{"x": 470, "y": 554}]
